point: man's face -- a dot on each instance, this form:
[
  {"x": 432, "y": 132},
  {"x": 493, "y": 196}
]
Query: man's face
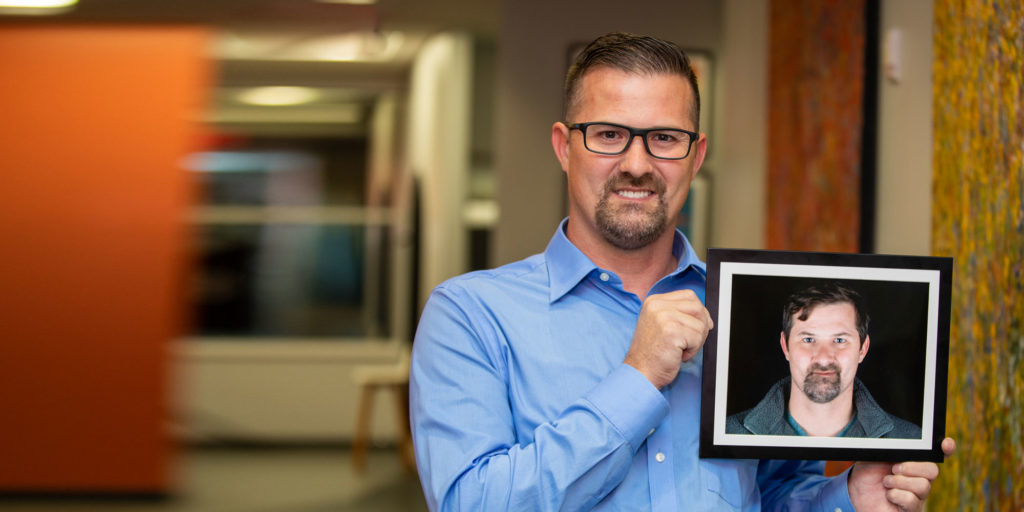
[
  {"x": 627, "y": 200},
  {"x": 824, "y": 351}
]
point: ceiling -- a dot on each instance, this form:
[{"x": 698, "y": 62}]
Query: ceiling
[
  {"x": 478, "y": 16},
  {"x": 349, "y": 53}
]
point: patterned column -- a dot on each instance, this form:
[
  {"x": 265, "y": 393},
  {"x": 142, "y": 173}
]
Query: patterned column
[{"x": 978, "y": 219}]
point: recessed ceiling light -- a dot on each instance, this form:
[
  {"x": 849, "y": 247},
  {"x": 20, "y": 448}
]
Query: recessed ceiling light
[
  {"x": 278, "y": 95},
  {"x": 36, "y": 6}
]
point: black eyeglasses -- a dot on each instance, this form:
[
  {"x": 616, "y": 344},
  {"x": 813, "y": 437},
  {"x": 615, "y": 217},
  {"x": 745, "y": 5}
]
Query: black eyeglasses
[{"x": 614, "y": 139}]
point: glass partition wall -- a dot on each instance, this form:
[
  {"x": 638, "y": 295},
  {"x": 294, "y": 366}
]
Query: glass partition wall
[
  {"x": 298, "y": 214},
  {"x": 321, "y": 222}
]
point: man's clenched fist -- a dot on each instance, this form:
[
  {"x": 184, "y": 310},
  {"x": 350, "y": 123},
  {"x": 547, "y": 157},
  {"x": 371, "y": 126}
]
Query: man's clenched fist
[{"x": 671, "y": 329}]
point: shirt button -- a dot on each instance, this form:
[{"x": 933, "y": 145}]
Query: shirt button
[
  {"x": 604, "y": 276},
  {"x": 651, "y": 432},
  {"x": 660, "y": 457},
  {"x": 839, "y": 509}
]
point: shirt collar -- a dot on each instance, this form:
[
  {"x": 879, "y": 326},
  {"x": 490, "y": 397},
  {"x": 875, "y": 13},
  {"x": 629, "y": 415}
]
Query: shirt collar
[{"x": 567, "y": 265}]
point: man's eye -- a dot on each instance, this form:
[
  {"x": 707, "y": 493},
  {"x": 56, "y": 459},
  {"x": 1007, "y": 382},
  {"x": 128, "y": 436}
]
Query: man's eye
[
  {"x": 807, "y": 339},
  {"x": 664, "y": 138},
  {"x": 839, "y": 340},
  {"x": 609, "y": 135}
]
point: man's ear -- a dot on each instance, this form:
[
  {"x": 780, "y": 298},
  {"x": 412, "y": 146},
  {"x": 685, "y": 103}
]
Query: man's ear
[
  {"x": 864, "y": 348},
  {"x": 782, "y": 342},
  {"x": 698, "y": 152},
  {"x": 560, "y": 143}
]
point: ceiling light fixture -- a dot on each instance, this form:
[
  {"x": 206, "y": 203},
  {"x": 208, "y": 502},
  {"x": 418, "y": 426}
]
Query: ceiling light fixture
[
  {"x": 36, "y": 7},
  {"x": 277, "y": 96},
  {"x": 355, "y": 47}
]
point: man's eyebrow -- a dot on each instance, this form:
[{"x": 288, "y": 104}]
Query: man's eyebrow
[
  {"x": 814, "y": 333},
  {"x": 848, "y": 333}
]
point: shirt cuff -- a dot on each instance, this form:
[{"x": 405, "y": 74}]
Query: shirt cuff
[
  {"x": 835, "y": 495},
  {"x": 630, "y": 402}
]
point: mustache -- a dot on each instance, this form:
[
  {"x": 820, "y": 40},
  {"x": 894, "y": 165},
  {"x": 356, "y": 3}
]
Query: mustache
[
  {"x": 648, "y": 181},
  {"x": 832, "y": 367}
]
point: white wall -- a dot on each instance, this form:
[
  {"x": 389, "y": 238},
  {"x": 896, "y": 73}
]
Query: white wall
[
  {"x": 438, "y": 151},
  {"x": 740, "y": 138},
  {"x": 283, "y": 391},
  {"x": 904, "y": 197}
]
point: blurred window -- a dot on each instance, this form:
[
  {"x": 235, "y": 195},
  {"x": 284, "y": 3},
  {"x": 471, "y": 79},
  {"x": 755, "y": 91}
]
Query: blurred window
[{"x": 286, "y": 246}]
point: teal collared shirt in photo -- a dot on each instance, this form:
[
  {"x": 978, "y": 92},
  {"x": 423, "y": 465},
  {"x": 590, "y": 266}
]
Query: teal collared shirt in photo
[{"x": 801, "y": 432}]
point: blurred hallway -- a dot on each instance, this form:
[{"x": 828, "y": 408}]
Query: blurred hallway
[{"x": 306, "y": 479}]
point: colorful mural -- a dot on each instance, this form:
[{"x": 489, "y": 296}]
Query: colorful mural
[
  {"x": 816, "y": 76},
  {"x": 978, "y": 219}
]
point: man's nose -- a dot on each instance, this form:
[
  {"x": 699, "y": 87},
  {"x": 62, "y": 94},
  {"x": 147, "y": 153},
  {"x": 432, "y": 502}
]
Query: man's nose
[
  {"x": 636, "y": 160},
  {"x": 824, "y": 353}
]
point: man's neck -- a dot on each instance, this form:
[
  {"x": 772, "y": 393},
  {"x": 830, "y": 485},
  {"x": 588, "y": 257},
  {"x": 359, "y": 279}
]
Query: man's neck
[
  {"x": 639, "y": 269},
  {"x": 828, "y": 419}
]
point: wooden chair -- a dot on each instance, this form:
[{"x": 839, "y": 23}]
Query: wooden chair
[{"x": 370, "y": 379}]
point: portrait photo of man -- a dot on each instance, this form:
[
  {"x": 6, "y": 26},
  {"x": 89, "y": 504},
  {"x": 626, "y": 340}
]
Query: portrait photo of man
[{"x": 824, "y": 339}]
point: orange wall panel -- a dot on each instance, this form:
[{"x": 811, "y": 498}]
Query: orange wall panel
[{"x": 93, "y": 201}]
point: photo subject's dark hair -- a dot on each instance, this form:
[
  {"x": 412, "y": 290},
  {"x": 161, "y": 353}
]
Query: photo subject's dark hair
[{"x": 803, "y": 302}]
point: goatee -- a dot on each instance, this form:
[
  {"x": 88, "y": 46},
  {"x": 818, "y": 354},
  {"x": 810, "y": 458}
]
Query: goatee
[
  {"x": 822, "y": 389},
  {"x": 629, "y": 226}
]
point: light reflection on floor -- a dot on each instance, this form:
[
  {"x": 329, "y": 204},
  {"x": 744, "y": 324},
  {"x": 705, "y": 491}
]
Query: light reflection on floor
[{"x": 265, "y": 480}]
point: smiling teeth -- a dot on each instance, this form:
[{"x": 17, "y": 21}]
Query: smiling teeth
[{"x": 634, "y": 194}]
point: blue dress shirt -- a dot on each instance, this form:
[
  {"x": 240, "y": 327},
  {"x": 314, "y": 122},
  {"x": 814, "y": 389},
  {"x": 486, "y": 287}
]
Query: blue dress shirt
[{"x": 520, "y": 401}]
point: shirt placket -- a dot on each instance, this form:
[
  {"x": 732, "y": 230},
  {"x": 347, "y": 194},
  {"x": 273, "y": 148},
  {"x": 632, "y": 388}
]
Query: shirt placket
[
  {"x": 660, "y": 458},
  {"x": 661, "y": 468}
]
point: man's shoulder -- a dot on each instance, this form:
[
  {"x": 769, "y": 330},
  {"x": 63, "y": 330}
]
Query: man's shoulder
[
  {"x": 767, "y": 417},
  {"x": 734, "y": 423},
  {"x": 530, "y": 271},
  {"x": 484, "y": 302},
  {"x": 880, "y": 422},
  {"x": 903, "y": 429}
]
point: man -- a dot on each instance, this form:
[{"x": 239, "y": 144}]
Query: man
[
  {"x": 571, "y": 379},
  {"x": 822, "y": 396}
]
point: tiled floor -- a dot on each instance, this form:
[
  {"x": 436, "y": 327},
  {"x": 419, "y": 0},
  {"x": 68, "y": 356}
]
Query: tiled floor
[{"x": 266, "y": 480}]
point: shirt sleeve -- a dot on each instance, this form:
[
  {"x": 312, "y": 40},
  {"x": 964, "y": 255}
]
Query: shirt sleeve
[
  {"x": 797, "y": 486},
  {"x": 467, "y": 451}
]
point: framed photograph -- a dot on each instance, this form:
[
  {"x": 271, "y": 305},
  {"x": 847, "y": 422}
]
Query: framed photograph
[{"x": 825, "y": 356}]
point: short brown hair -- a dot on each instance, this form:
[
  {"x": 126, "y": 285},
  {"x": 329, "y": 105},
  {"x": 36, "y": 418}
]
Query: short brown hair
[
  {"x": 801, "y": 303},
  {"x": 633, "y": 54}
]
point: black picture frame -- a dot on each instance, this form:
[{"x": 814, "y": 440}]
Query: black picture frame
[{"x": 908, "y": 300}]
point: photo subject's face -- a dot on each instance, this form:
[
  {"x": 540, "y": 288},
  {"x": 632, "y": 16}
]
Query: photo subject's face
[
  {"x": 824, "y": 350},
  {"x": 631, "y": 199}
]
